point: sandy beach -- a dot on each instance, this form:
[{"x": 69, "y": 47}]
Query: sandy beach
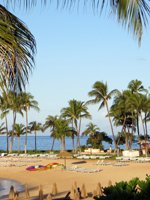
[{"x": 65, "y": 178}]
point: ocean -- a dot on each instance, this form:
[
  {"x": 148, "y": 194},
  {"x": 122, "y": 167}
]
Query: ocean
[{"x": 45, "y": 143}]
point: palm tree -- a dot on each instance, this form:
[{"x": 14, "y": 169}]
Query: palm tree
[
  {"x": 91, "y": 129},
  {"x": 123, "y": 115},
  {"x": 35, "y": 126},
  {"x": 101, "y": 95},
  {"x": 28, "y": 102},
  {"x": 19, "y": 129},
  {"x": 96, "y": 139},
  {"x": 61, "y": 130},
  {"x": 17, "y": 49},
  {"x": 74, "y": 113},
  {"x": 135, "y": 86},
  {"x": 132, "y": 14},
  {"x": 16, "y": 107},
  {"x": 50, "y": 124},
  {"x": 4, "y": 107}
]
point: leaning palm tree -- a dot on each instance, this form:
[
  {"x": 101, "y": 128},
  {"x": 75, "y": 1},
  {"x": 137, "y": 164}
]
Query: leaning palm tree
[
  {"x": 101, "y": 95},
  {"x": 132, "y": 14},
  {"x": 35, "y": 126},
  {"x": 17, "y": 49},
  {"x": 27, "y": 103},
  {"x": 50, "y": 124}
]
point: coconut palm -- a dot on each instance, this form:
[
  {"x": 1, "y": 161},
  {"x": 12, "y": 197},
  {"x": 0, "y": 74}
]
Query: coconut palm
[
  {"x": 131, "y": 14},
  {"x": 61, "y": 130},
  {"x": 101, "y": 95},
  {"x": 19, "y": 129},
  {"x": 50, "y": 124},
  {"x": 122, "y": 115},
  {"x": 4, "y": 107},
  {"x": 90, "y": 129},
  {"x": 35, "y": 126},
  {"x": 27, "y": 103},
  {"x": 74, "y": 113},
  {"x": 135, "y": 86},
  {"x": 16, "y": 108},
  {"x": 17, "y": 49}
]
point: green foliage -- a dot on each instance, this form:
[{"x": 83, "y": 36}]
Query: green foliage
[
  {"x": 128, "y": 190},
  {"x": 97, "y": 138}
]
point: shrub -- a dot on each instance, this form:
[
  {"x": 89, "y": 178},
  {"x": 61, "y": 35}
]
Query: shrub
[{"x": 135, "y": 189}]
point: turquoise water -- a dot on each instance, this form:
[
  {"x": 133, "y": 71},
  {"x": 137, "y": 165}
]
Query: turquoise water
[{"x": 45, "y": 143}]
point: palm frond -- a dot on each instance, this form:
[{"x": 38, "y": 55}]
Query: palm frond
[{"x": 132, "y": 14}]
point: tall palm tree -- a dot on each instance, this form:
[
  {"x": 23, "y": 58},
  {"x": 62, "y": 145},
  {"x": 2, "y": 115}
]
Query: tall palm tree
[
  {"x": 137, "y": 89},
  {"x": 101, "y": 95},
  {"x": 17, "y": 50},
  {"x": 5, "y": 108},
  {"x": 16, "y": 107},
  {"x": 35, "y": 126},
  {"x": 19, "y": 129},
  {"x": 28, "y": 102},
  {"x": 132, "y": 14},
  {"x": 50, "y": 124},
  {"x": 123, "y": 115}
]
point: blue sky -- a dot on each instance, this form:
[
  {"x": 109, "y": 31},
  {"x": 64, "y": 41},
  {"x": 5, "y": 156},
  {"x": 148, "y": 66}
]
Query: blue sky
[{"x": 76, "y": 49}]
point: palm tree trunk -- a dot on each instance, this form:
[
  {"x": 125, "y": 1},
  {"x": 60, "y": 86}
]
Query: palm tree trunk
[
  {"x": 19, "y": 144},
  {"x": 111, "y": 125},
  {"x": 146, "y": 126},
  {"x": 25, "y": 146},
  {"x": 124, "y": 121},
  {"x": 53, "y": 143},
  {"x": 143, "y": 125},
  {"x": 73, "y": 146},
  {"x": 35, "y": 140},
  {"x": 78, "y": 137},
  {"x": 12, "y": 137},
  {"x": 7, "y": 141},
  {"x": 63, "y": 143},
  {"x": 138, "y": 130}
]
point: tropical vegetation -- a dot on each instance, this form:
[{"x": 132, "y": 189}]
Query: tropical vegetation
[
  {"x": 133, "y": 15},
  {"x": 128, "y": 115},
  {"x": 134, "y": 189}
]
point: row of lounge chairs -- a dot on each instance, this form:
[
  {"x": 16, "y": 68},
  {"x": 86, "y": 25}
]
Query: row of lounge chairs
[
  {"x": 92, "y": 157},
  {"x": 133, "y": 159},
  {"x": 83, "y": 170},
  {"x": 49, "y": 156},
  {"x": 101, "y": 162}
]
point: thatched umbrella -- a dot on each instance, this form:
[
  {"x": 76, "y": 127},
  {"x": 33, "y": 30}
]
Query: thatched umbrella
[{"x": 65, "y": 154}]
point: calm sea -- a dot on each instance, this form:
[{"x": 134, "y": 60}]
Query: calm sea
[{"x": 45, "y": 143}]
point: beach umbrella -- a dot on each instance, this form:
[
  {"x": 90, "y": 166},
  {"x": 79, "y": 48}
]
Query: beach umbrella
[{"x": 65, "y": 154}]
